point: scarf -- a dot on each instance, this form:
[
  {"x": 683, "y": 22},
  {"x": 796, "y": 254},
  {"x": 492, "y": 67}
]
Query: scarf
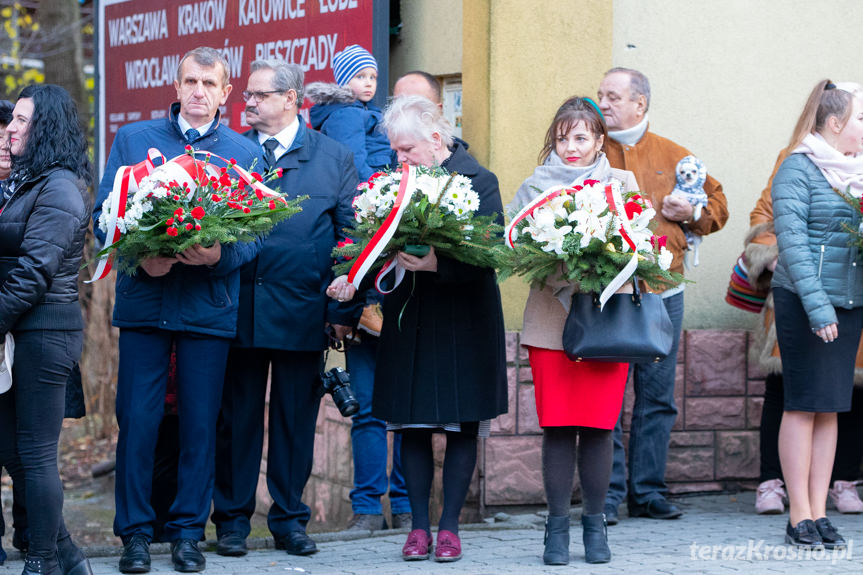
[
  {"x": 630, "y": 136},
  {"x": 555, "y": 172},
  {"x": 844, "y": 173}
]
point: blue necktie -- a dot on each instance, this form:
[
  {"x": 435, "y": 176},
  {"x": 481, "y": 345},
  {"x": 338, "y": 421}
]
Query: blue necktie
[
  {"x": 270, "y": 151},
  {"x": 192, "y": 134}
]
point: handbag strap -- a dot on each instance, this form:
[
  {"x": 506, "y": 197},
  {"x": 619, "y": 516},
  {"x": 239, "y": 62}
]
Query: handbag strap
[{"x": 636, "y": 291}]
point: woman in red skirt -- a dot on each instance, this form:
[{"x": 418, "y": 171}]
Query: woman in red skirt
[{"x": 577, "y": 403}]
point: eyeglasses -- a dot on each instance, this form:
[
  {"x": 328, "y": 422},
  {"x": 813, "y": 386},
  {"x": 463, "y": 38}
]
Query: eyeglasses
[{"x": 260, "y": 96}]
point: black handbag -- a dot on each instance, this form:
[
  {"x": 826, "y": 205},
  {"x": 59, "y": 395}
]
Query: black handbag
[{"x": 632, "y": 328}]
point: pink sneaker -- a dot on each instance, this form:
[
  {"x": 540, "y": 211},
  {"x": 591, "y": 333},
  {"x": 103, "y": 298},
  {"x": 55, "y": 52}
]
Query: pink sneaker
[
  {"x": 845, "y": 497},
  {"x": 770, "y": 497}
]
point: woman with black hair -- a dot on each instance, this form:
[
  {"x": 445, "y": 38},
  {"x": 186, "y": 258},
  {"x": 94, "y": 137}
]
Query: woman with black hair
[{"x": 44, "y": 213}]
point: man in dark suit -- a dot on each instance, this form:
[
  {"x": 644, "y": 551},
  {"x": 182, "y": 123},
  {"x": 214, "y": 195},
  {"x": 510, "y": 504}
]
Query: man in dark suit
[
  {"x": 284, "y": 311},
  {"x": 188, "y": 301}
]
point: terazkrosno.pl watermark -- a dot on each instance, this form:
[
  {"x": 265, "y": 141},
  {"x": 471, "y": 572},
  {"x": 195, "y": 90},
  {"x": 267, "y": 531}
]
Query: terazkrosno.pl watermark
[{"x": 763, "y": 551}]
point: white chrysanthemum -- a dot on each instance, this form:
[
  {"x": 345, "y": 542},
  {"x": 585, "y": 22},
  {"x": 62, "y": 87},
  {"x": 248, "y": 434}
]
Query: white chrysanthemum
[
  {"x": 665, "y": 258},
  {"x": 430, "y": 186}
]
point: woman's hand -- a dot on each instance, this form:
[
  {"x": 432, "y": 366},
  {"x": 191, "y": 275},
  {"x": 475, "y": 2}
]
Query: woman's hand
[
  {"x": 157, "y": 267},
  {"x": 341, "y": 290},
  {"x": 828, "y": 333},
  {"x": 427, "y": 263},
  {"x": 198, "y": 255}
]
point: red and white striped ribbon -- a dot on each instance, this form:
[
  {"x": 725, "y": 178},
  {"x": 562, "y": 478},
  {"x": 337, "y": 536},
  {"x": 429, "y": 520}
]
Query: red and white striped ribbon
[
  {"x": 383, "y": 236},
  {"x": 184, "y": 169}
]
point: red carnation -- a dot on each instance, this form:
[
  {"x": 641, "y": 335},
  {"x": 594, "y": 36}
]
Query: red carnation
[
  {"x": 257, "y": 176},
  {"x": 190, "y": 226},
  {"x": 632, "y": 209},
  {"x": 216, "y": 198},
  {"x": 197, "y": 226},
  {"x": 170, "y": 221},
  {"x": 279, "y": 172},
  {"x": 176, "y": 197},
  {"x": 198, "y": 212},
  {"x": 272, "y": 205},
  {"x": 246, "y": 210},
  {"x": 591, "y": 182},
  {"x": 188, "y": 149},
  {"x": 233, "y": 162},
  {"x": 171, "y": 231}
]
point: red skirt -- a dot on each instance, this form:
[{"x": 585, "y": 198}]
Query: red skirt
[{"x": 584, "y": 393}]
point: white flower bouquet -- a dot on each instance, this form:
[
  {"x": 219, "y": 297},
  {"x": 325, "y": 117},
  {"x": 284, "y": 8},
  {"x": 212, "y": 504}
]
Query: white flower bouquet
[
  {"x": 589, "y": 233},
  {"x": 437, "y": 208}
]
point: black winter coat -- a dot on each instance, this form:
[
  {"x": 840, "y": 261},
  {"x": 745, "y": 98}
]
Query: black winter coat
[
  {"x": 447, "y": 363},
  {"x": 42, "y": 229}
]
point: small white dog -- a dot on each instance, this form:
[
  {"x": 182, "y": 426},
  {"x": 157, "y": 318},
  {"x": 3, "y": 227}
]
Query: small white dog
[{"x": 691, "y": 175}]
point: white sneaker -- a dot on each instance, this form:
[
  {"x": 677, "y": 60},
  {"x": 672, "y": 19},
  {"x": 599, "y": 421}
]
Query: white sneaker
[
  {"x": 770, "y": 497},
  {"x": 845, "y": 497}
]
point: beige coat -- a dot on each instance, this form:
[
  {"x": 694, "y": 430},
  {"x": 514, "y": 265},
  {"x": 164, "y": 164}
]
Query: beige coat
[{"x": 544, "y": 315}]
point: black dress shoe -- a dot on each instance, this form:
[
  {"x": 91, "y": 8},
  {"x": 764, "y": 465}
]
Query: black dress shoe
[
  {"x": 297, "y": 543},
  {"x": 611, "y": 516},
  {"x": 829, "y": 535},
  {"x": 805, "y": 535},
  {"x": 136, "y": 555},
  {"x": 659, "y": 508},
  {"x": 231, "y": 545},
  {"x": 186, "y": 556}
]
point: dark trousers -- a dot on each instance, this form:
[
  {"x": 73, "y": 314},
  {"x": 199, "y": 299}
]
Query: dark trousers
[
  {"x": 43, "y": 362},
  {"x": 293, "y": 413},
  {"x": 10, "y": 461},
  {"x": 145, "y": 356},
  {"x": 849, "y": 447}
]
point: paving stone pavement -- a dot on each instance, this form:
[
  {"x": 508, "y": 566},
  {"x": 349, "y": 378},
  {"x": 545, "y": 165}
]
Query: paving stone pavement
[{"x": 718, "y": 534}]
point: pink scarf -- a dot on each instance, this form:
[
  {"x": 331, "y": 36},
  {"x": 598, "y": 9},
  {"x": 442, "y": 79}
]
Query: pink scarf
[{"x": 845, "y": 173}]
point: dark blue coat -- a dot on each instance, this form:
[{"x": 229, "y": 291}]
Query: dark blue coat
[
  {"x": 283, "y": 301},
  {"x": 356, "y": 125},
  {"x": 189, "y": 298}
]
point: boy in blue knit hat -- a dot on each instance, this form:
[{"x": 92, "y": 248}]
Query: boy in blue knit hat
[{"x": 345, "y": 112}]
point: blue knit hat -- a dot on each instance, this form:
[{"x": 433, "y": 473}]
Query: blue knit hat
[{"x": 351, "y": 60}]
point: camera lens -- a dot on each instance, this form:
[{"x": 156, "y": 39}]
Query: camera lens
[{"x": 344, "y": 399}]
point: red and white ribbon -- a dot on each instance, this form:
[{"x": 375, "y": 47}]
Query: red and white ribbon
[
  {"x": 382, "y": 237},
  {"x": 184, "y": 169},
  {"x": 528, "y": 210},
  {"x": 126, "y": 181},
  {"x": 614, "y": 199}
]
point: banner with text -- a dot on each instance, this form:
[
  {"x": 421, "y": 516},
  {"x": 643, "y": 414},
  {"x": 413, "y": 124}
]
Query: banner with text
[{"x": 140, "y": 44}]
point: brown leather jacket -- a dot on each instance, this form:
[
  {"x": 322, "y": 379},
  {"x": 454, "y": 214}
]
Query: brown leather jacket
[{"x": 653, "y": 161}]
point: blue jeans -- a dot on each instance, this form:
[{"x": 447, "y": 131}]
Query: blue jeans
[
  {"x": 653, "y": 416},
  {"x": 369, "y": 440}
]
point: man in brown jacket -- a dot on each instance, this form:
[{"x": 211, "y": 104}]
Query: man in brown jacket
[{"x": 624, "y": 97}]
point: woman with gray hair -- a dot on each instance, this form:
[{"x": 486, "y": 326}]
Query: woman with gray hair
[{"x": 444, "y": 369}]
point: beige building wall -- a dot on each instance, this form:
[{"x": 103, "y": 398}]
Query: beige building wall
[
  {"x": 430, "y": 38},
  {"x": 728, "y": 81},
  {"x": 520, "y": 63}
]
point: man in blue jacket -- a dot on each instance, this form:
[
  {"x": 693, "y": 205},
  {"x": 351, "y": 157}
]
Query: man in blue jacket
[
  {"x": 189, "y": 301},
  {"x": 284, "y": 311}
]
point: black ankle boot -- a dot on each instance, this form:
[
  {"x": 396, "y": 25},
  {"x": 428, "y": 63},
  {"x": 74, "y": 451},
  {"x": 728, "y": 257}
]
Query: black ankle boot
[
  {"x": 595, "y": 536},
  {"x": 72, "y": 559},
  {"x": 556, "y": 540},
  {"x": 40, "y": 566}
]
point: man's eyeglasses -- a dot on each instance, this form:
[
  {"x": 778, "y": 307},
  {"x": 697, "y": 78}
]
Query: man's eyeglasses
[{"x": 259, "y": 96}]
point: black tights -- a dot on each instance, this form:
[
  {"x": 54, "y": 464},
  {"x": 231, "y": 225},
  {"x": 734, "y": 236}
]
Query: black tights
[
  {"x": 559, "y": 452},
  {"x": 418, "y": 467}
]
